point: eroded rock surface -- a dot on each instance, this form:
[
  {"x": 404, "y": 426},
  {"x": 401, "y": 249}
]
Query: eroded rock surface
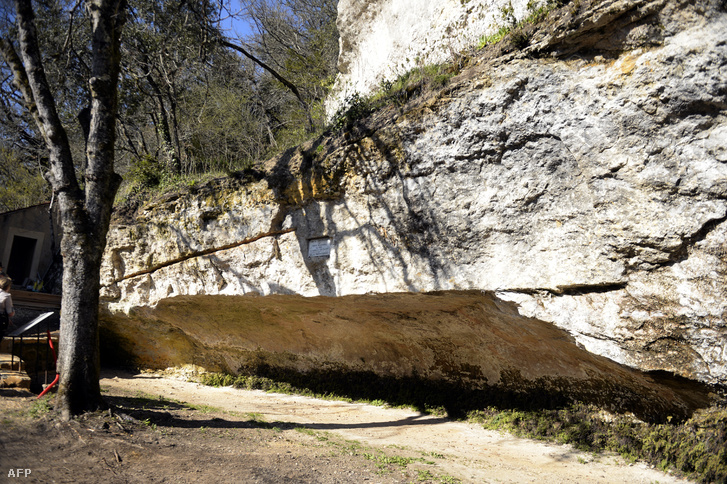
[
  {"x": 583, "y": 178},
  {"x": 473, "y": 348}
]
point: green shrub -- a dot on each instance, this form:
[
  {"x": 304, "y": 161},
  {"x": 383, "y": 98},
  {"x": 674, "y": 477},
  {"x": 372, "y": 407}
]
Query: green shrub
[
  {"x": 146, "y": 172},
  {"x": 217, "y": 379},
  {"x": 355, "y": 107}
]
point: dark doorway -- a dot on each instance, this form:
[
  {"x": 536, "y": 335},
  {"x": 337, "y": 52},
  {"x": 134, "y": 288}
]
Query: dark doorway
[{"x": 21, "y": 259}]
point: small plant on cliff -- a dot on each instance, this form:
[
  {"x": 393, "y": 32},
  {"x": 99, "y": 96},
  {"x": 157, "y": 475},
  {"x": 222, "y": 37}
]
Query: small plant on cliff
[
  {"x": 407, "y": 86},
  {"x": 355, "y": 107},
  {"x": 486, "y": 40},
  {"x": 507, "y": 12},
  {"x": 415, "y": 81},
  {"x": 508, "y": 23},
  {"x": 146, "y": 172},
  {"x": 536, "y": 12}
]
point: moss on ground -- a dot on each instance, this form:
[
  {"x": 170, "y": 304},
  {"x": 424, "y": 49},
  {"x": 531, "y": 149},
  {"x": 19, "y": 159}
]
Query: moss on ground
[{"x": 696, "y": 448}]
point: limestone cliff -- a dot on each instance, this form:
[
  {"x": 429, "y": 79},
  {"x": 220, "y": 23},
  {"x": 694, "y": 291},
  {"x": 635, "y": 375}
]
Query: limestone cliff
[{"x": 582, "y": 177}]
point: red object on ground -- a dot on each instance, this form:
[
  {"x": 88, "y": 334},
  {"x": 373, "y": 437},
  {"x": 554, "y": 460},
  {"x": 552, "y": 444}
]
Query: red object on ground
[{"x": 55, "y": 359}]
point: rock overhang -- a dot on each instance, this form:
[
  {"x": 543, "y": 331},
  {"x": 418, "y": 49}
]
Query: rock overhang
[{"x": 590, "y": 191}]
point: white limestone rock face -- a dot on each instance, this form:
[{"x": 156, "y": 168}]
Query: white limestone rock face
[
  {"x": 383, "y": 39},
  {"x": 672, "y": 317},
  {"x": 589, "y": 190}
]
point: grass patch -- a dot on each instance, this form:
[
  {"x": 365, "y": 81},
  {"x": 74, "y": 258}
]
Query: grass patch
[
  {"x": 382, "y": 458},
  {"x": 447, "y": 479},
  {"x": 385, "y": 463},
  {"x": 486, "y": 40},
  {"x": 202, "y": 408},
  {"x": 255, "y": 417},
  {"x": 149, "y": 423},
  {"x": 696, "y": 448},
  {"x": 536, "y": 13},
  {"x": 40, "y": 407},
  {"x": 218, "y": 379},
  {"x": 319, "y": 436},
  {"x": 253, "y": 382}
]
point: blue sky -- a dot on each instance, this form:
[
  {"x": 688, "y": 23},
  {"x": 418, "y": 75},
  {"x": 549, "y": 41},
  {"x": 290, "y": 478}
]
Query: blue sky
[{"x": 235, "y": 27}]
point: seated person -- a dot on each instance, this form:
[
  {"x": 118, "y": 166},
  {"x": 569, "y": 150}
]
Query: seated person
[{"x": 6, "y": 305}]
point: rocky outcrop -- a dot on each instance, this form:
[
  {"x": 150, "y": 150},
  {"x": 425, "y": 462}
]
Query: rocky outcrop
[
  {"x": 583, "y": 178},
  {"x": 470, "y": 349}
]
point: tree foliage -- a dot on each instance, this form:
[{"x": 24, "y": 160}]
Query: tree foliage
[
  {"x": 21, "y": 182},
  {"x": 299, "y": 40},
  {"x": 196, "y": 100},
  {"x": 190, "y": 100},
  {"x": 166, "y": 55}
]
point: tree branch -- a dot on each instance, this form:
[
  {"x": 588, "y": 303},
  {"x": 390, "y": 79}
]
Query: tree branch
[
  {"x": 108, "y": 18},
  {"x": 274, "y": 73},
  {"x": 62, "y": 173},
  {"x": 20, "y": 78}
]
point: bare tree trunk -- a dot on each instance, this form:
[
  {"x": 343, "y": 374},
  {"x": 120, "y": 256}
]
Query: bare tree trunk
[
  {"x": 79, "y": 359},
  {"x": 84, "y": 214},
  {"x": 85, "y": 241},
  {"x": 171, "y": 155}
]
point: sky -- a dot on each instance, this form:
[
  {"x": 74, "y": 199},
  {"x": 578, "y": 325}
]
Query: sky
[{"x": 235, "y": 27}]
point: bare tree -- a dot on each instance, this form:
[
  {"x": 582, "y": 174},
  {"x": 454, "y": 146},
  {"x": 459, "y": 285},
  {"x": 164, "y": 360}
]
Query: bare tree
[
  {"x": 276, "y": 75},
  {"x": 295, "y": 42},
  {"x": 85, "y": 210}
]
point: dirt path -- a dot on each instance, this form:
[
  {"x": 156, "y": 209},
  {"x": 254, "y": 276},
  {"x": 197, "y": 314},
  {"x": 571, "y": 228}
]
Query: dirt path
[{"x": 470, "y": 452}]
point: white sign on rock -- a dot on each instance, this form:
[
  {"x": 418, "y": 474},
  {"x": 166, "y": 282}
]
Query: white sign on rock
[{"x": 319, "y": 247}]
